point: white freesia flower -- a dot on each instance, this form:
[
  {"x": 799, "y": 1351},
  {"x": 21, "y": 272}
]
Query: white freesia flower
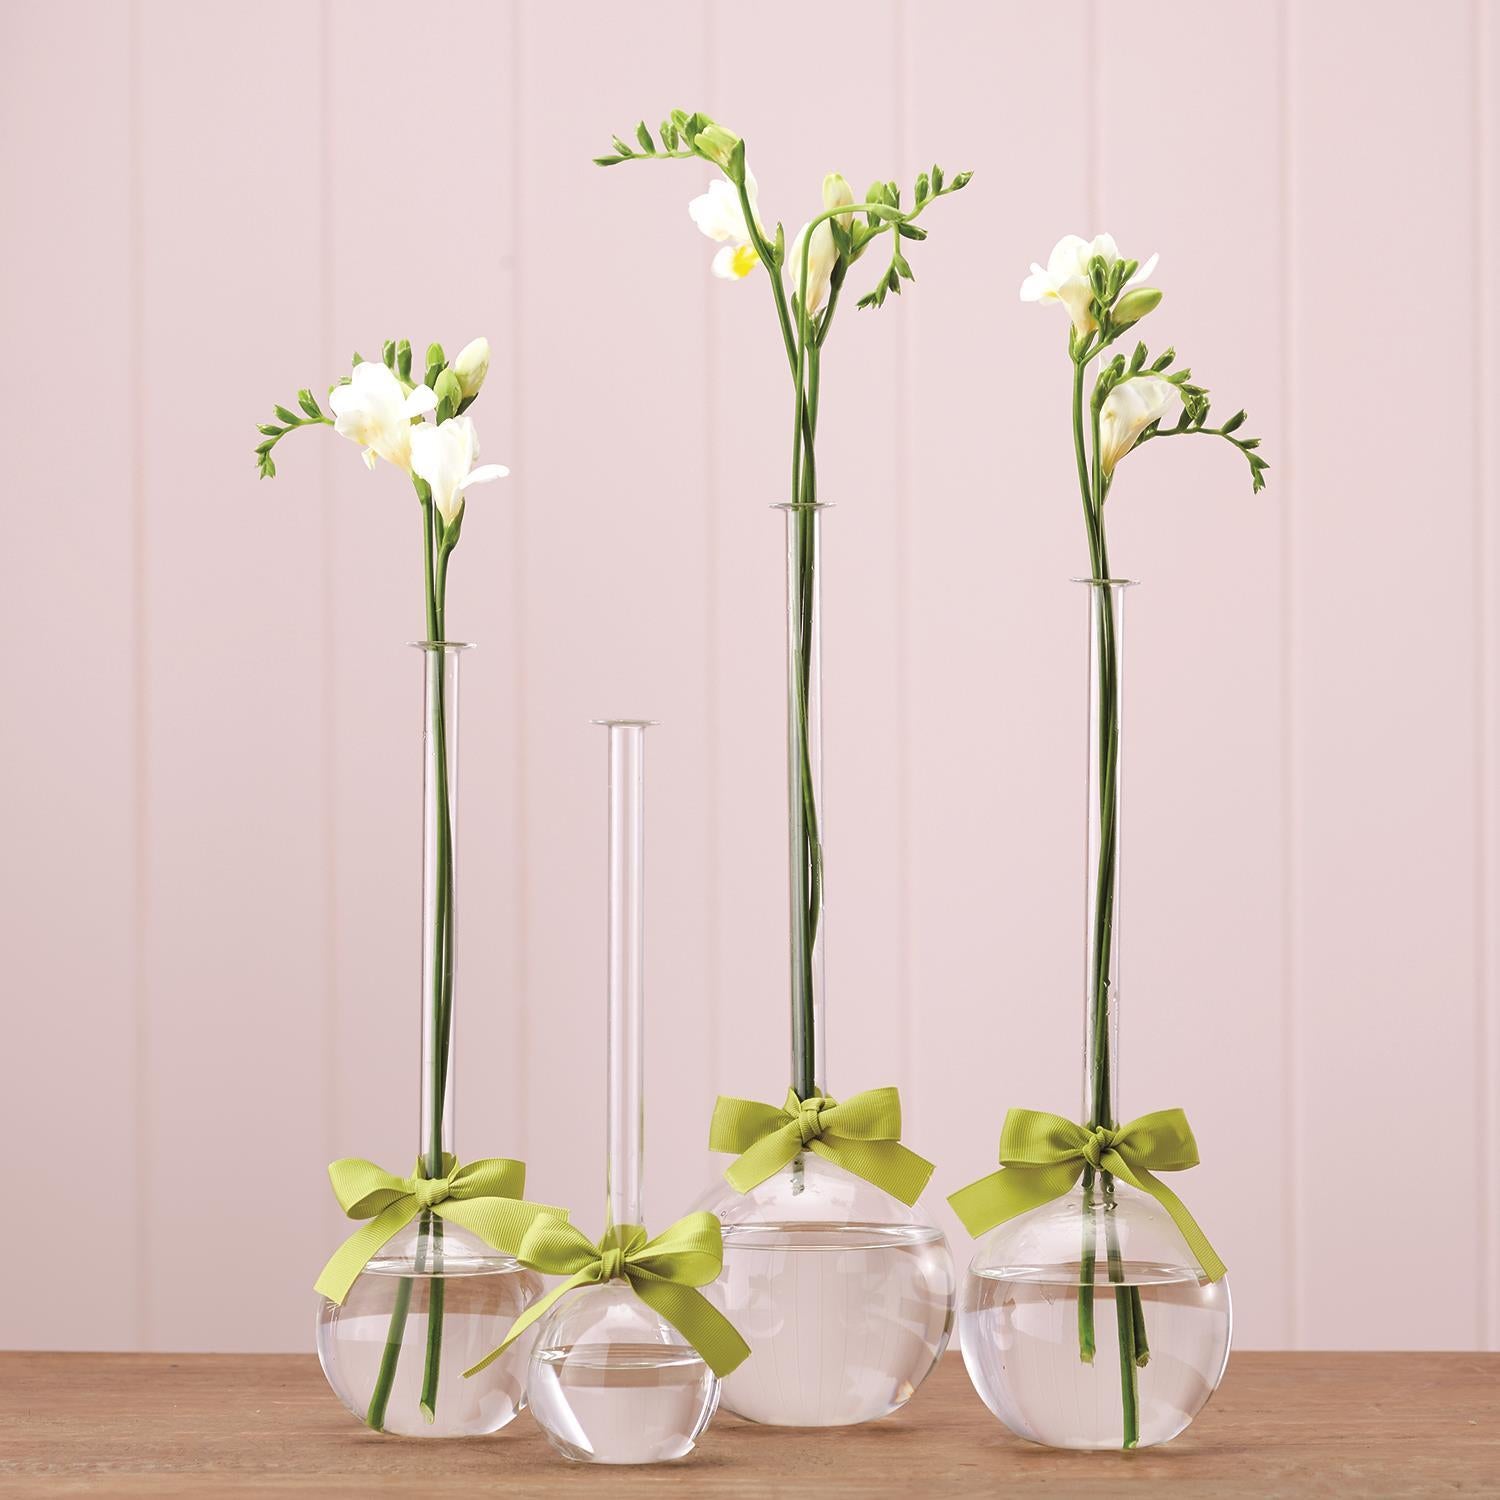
[
  {"x": 1066, "y": 278},
  {"x": 1128, "y": 411},
  {"x": 376, "y": 412},
  {"x": 719, "y": 215},
  {"x": 471, "y": 366},
  {"x": 822, "y": 254},
  {"x": 444, "y": 456}
]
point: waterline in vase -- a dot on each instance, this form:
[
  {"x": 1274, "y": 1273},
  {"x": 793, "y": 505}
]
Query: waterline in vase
[{"x": 480, "y": 1299}]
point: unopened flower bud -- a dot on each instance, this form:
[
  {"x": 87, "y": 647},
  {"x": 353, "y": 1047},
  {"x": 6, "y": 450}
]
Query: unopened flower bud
[
  {"x": 717, "y": 144},
  {"x": 1134, "y": 305},
  {"x": 836, "y": 193},
  {"x": 471, "y": 366},
  {"x": 448, "y": 391}
]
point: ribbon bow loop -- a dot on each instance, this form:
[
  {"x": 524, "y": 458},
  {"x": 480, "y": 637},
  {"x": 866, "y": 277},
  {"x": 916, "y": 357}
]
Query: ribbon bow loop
[
  {"x": 663, "y": 1272},
  {"x": 1042, "y": 1155},
  {"x": 484, "y": 1197},
  {"x": 862, "y": 1135}
]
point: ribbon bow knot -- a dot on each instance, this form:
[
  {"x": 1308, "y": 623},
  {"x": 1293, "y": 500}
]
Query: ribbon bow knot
[
  {"x": 664, "y": 1273},
  {"x": 810, "y": 1118},
  {"x": 1101, "y": 1139},
  {"x": 483, "y": 1197},
  {"x": 862, "y": 1135},
  {"x": 1042, "y": 1155},
  {"x": 430, "y": 1191}
]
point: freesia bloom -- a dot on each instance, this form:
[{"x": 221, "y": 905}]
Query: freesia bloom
[
  {"x": 822, "y": 254},
  {"x": 719, "y": 215},
  {"x": 1128, "y": 411},
  {"x": 1066, "y": 278},
  {"x": 444, "y": 456},
  {"x": 375, "y": 411},
  {"x": 471, "y": 366}
]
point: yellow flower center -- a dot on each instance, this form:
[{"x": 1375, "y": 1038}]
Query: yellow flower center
[{"x": 744, "y": 260}]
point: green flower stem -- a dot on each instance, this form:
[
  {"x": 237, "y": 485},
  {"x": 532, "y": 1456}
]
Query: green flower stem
[
  {"x": 1130, "y": 1314},
  {"x": 803, "y": 337},
  {"x": 443, "y": 1010},
  {"x": 385, "y": 1377},
  {"x": 1127, "y": 1318},
  {"x": 435, "y": 568}
]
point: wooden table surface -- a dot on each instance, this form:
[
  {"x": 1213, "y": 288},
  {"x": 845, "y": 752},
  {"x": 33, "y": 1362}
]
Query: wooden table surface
[{"x": 1282, "y": 1424}]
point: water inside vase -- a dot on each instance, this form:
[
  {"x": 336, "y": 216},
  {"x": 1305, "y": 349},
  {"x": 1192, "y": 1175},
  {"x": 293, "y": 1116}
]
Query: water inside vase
[
  {"x": 480, "y": 1300},
  {"x": 844, "y": 1320},
  {"x": 621, "y": 1403},
  {"x": 1018, "y": 1328}
]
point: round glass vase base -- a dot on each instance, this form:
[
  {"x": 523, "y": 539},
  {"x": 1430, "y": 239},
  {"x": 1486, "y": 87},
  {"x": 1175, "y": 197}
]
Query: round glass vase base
[
  {"x": 844, "y": 1294},
  {"x": 1025, "y": 1323},
  {"x": 612, "y": 1382},
  {"x": 376, "y": 1351}
]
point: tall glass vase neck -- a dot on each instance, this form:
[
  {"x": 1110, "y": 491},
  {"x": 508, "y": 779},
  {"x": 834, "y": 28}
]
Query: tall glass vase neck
[
  {"x": 1101, "y": 1049},
  {"x": 625, "y": 1062},
  {"x": 440, "y": 661},
  {"x": 804, "y": 721}
]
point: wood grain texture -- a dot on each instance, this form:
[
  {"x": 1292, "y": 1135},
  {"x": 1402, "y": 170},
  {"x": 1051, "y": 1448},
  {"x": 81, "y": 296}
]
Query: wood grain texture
[{"x": 1372, "y": 1425}]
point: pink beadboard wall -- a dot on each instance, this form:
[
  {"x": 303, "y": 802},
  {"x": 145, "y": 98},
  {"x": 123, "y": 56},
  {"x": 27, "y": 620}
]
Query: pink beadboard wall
[{"x": 209, "y": 746}]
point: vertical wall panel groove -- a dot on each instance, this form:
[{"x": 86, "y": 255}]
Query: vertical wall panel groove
[
  {"x": 1291, "y": 1052},
  {"x": 334, "y": 1081},
  {"x": 140, "y": 809},
  {"x": 906, "y": 1063},
  {"x": 520, "y": 968},
  {"x": 1486, "y": 53}
]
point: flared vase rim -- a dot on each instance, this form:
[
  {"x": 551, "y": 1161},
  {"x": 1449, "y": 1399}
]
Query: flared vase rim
[
  {"x": 1108, "y": 583},
  {"x": 808, "y": 505},
  {"x": 441, "y": 645},
  {"x": 626, "y": 723}
]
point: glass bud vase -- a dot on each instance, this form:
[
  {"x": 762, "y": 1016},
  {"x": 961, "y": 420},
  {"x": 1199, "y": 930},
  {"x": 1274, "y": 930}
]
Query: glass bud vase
[
  {"x": 612, "y": 1382},
  {"x": 1088, "y": 1322},
  {"x": 844, "y": 1294},
  {"x": 434, "y": 1299}
]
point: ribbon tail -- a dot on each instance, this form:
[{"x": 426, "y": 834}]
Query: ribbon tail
[
  {"x": 697, "y": 1320},
  {"x": 499, "y": 1222},
  {"x": 345, "y": 1264},
  {"x": 888, "y": 1165},
  {"x": 1009, "y": 1192},
  {"x": 1187, "y": 1225},
  {"x": 527, "y": 1318},
  {"x": 764, "y": 1159}
]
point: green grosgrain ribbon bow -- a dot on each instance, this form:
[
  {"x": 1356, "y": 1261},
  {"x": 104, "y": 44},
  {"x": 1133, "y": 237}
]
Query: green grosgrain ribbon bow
[
  {"x": 1043, "y": 1155},
  {"x": 861, "y": 1135},
  {"x": 663, "y": 1273},
  {"x": 482, "y": 1196}
]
